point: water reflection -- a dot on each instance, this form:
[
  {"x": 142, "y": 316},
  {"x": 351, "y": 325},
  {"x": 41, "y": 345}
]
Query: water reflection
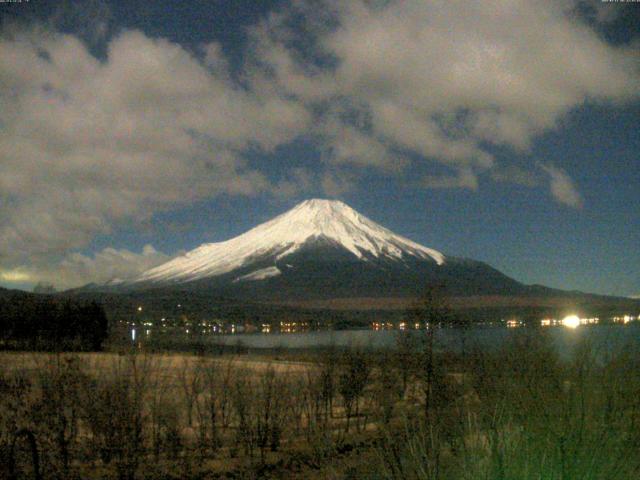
[{"x": 613, "y": 336}]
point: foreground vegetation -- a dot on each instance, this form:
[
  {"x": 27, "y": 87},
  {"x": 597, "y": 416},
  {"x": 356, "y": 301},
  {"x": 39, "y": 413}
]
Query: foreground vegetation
[
  {"x": 522, "y": 411},
  {"x": 44, "y": 322}
]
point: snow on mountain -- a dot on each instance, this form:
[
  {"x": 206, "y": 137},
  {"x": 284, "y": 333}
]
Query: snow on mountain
[
  {"x": 259, "y": 274},
  {"x": 285, "y": 234}
]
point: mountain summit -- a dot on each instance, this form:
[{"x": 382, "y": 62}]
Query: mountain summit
[
  {"x": 320, "y": 253},
  {"x": 312, "y": 221},
  {"x": 320, "y": 249}
]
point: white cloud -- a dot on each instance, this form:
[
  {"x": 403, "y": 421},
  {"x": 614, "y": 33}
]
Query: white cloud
[
  {"x": 298, "y": 181},
  {"x": 347, "y": 145},
  {"x": 90, "y": 19},
  {"x": 517, "y": 175},
  {"x": 464, "y": 179},
  {"x": 16, "y": 275},
  {"x": 337, "y": 184},
  {"x": 77, "y": 269},
  {"x": 440, "y": 80},
  {"x": 87, "y": 143},
  {"x": 562, "y": 187}
]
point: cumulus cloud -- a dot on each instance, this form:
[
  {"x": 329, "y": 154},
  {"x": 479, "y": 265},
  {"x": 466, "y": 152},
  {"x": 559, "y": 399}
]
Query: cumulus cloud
[
  {"x": 440, "y": 81},
  {"x": 464, "y": 179},
  {"x": 516, "y": 174},
  {"x": 16, "y": 275},
  {"x": 562, "y": 187},
  {"x": 298, "y": 181},
  {"x": 77, "y": 269},
  {"x": 87, "y": 143},
  {"x": 90, "y": 19},
  {"x": 337, "y": 184}
]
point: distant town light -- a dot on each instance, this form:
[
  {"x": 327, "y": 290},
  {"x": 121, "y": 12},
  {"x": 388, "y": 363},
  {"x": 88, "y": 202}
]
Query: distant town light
[
  {"x": 139, "y": 309},
  {"x": 571, "y": 321}
]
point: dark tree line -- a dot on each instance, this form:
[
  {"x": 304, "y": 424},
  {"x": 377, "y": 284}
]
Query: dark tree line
[{"x": 37, "y": 322}]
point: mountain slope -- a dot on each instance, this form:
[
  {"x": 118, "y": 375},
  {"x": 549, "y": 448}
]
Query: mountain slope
[
  {"x": 312, "y": 222},
  {"x": 319, "y": 249}
]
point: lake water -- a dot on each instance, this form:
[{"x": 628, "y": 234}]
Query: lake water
[{"x": 602, "y": 336}]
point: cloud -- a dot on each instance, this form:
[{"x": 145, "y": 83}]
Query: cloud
[
  {"x": 77, "y": 269},
  {"x": 91, "y": 143},
  {"x": 337, "y": 184},
  {"x": 87, "y": 144},
  {"x": 347, "y": 145},
  {"x": 438, "y": 82},
  {"x": 517, "y": 175},
  {"x": 464, "y": 179},
  {"x": 90, "y": 19},
  {"x": 562, "y": 187},
  {"x": 298, "y": 181},
  {"x": 18, "y": 275}
]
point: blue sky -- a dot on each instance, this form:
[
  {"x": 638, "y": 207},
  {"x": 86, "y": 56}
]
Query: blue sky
[{"x": 507, "y": 133}]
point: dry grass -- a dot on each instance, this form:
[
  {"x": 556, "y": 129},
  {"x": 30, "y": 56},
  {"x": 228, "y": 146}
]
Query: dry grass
[
  {"x": 565, "y": 301},
  {"x": 519, "y": 412},
  {"x": 167, "y": 363}
]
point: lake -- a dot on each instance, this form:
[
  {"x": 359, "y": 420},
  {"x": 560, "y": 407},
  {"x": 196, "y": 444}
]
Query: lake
[{"x": 602, "y": 336}]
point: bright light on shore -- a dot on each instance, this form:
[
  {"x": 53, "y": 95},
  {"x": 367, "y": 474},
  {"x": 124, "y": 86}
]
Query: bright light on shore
[{"x": 571, "y": 321}]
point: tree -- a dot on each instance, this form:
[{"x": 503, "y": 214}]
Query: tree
[
  {"x": 328, "y": 364},
  {"x": 353, "y": 380},
  {"x": 389, "y": 386},
  {"x": 430, "y": 311},
  {"x": 44, "y": 288}
]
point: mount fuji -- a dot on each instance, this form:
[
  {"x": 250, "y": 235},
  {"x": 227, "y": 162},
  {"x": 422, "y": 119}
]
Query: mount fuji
[{"x": 320, "y": 249}]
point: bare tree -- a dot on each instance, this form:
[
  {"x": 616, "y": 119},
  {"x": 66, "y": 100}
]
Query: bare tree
[
  {"x": 431, "y": 311},
  {"x": 389, "y": 385},
  {"x": 353, "y": 379},
  {"x": 405, "y": 358},
  {"x": 243, "y": 406},
  {"x": 269, "y": 413},
  {"x": 190, "y": 380},
  {"x": 328, "y": 363},
  {"x": 115, "y": 415},
  {"x": 164, "y": 416},
  {"x": 212, "y": 407},
  {"x": 16, "y": 428},
  {"x": 312, "y": 399},
  {"x": 56, "y": 409}
]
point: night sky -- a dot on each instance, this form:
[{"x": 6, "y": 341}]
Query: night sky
[{"x": 507, "y": 132}]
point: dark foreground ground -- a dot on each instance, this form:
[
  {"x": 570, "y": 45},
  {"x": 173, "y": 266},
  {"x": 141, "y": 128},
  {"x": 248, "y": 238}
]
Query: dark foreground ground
[{"x": 521, "y": 411}]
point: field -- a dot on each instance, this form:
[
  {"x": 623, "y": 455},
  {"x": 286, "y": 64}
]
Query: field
[
  {"x": 411, "y": 412},
  {"x": 559, "y": 302}
]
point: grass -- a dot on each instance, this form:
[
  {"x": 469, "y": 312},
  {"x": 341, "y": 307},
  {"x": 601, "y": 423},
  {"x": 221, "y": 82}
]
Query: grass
[
  {"x": 525, "y": 413},
  {"x": 519, "y": 412}
]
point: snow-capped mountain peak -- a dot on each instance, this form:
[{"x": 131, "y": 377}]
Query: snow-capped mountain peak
[{"x": 329, "y": 220}]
